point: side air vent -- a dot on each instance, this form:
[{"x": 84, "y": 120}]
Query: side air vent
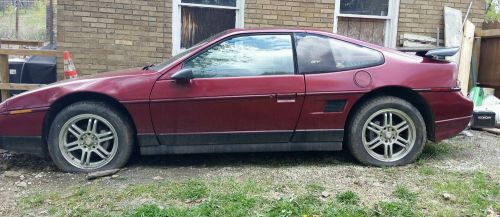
[{"x": 335, "y": 105}]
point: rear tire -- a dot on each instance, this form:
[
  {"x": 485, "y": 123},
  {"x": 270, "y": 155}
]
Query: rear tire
[
  {"x": 386, "y": 131},
  {"x": 90, "y": 136}
]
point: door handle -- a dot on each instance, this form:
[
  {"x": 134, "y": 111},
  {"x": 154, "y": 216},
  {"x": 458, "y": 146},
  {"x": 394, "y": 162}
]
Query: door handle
[{"x": 286, "y": 98}]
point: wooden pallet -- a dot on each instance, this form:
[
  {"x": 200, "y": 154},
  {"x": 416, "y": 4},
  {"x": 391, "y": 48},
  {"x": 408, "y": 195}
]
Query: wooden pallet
[
  {"x": 5, "y": 85},
  {"x": 492, "y": 130}
]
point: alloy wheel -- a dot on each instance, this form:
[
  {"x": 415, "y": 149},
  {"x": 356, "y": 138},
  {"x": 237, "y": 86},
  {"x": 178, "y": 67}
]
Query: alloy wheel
[
  {"x": 88, "y": 141},
  {"x": 389, "y": 135}
]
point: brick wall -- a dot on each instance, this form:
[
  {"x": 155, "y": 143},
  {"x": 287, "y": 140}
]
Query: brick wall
[
  {"x": 297, "y": 13},
  {"x": 424, "y": 17},
  {"x": 105, "y": 35}
]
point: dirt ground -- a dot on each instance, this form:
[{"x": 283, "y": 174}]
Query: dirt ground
[{"x": 24, "y": 175}]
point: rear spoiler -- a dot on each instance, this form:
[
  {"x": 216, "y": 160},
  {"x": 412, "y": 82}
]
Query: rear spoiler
[{"x": 434, "y": 53}]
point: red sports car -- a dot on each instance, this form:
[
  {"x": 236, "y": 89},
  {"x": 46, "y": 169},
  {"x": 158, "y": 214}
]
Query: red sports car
[{"x": 249, "y": 90}]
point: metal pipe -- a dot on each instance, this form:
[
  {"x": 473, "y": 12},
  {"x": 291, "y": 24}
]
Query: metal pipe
[
  {"x": 467, "y": 14},
  {"x": 17, "y": 18}
]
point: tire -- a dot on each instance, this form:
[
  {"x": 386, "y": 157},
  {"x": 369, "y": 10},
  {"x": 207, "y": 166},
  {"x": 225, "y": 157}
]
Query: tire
[
  {"x": 371, "y": 135},
  {"x": 90, "y": 136}
]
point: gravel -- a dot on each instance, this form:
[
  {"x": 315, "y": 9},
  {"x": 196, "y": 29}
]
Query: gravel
[{"x": 22, "y": 175}]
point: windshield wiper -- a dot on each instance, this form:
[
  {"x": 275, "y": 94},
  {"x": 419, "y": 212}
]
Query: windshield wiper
[{"x": 147, "y": 67}]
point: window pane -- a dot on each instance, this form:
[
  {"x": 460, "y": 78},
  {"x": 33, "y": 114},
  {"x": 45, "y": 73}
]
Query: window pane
[
  {"x": 201, "y": 23},
  {"x": 365, "y": 7},
  {"x": 322, "y": 54},
  {"x": 231, "y": 3},
  {"x": 246, "y": 56}
]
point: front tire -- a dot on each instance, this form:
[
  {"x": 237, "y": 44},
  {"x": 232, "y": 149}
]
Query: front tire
[
  {"x": 90, "y": 136},
  {"x": 386, "y": 131}
]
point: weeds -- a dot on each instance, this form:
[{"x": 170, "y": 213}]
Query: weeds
[
  {"x": 348, "y": 197},
  {"x": 433, "y": 150},
  {"x": 228, "y": 197},
  {"x": 190, "y": 190},
  {"x": 426, "y": 170},
  {"x": 36, "y": 199},
  {"x": 403, "y": 193},
  {"x": 476, "y": 193},
  {"x": 397, "y": 208}
]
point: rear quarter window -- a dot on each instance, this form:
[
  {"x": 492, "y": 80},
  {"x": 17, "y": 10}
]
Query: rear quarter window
[{"x": 319, "y": 54}]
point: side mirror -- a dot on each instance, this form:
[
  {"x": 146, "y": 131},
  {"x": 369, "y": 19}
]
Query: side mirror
[{"x": 183, "y": 76}]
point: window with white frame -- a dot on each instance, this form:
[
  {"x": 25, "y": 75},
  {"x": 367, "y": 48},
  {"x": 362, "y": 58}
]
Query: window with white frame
[
  {"x": 370, "y": 20},
  {"x": 195, "y": 20}
]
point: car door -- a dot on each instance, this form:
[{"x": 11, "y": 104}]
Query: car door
[
  {"x": 337, "y": 74},
  {"x": 245, "y": 91}
]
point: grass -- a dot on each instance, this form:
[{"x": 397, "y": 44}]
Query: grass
[
  {"x": 36, "y": 199},
  {"x": 396, "y": 208},
  {"x": 426, "y": 170},
  {"x": 348, "y": 197},
  {"x": 314, "y": 187},
  {"x": 190, "y": 190},
  {"x": 435, "y": 151},
  {"x": 415, "y": 190},
  {"x": 404, "y": 194},
  {"x": 475, "y": 194}
]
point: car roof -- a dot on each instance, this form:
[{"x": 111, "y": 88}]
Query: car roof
[
  {"x": 300, "y": 30},
  {"x": 265, "y": 30}
]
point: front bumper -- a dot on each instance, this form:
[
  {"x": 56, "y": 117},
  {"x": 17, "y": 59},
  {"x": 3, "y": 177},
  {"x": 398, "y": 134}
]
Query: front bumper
[
  {"x": 22, "y": 132},
  {"x": 28, "y": 144}
]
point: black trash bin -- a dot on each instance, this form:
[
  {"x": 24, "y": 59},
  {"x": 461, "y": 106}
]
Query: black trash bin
[
  {"x": 34, "y": 70},
  {"x": 15, "y": 72}
]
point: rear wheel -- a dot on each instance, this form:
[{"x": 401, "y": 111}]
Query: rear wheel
[
  {"x": 386, "y": 131},
  {"x": 90, "y": 136}
]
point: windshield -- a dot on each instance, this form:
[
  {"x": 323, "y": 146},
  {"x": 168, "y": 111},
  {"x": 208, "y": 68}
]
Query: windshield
[
  {"x": 183, "y": 53},
  {"x": 173, "y": 59}
]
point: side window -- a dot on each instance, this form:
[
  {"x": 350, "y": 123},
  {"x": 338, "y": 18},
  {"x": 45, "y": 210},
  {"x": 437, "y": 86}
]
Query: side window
[
  {"x": 317, "y": 53},
  {"x": 251, "y": 55}
]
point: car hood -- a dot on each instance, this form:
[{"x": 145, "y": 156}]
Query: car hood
[
  {"x": 110, "y": 74},
  {"x": 128, "y": 84}
]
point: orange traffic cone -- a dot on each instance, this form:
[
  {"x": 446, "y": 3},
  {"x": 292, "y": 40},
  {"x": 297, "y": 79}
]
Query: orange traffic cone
[{"x": 69, "y": 66}]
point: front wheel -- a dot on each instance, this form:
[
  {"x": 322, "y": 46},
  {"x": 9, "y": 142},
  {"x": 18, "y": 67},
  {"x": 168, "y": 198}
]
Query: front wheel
[
  {"x": 90, "y": 136},
  {"x": 387, "y": 131}
]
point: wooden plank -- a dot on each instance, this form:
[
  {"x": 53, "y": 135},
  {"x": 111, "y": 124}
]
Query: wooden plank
[
  {"x": 453, "y": 30},
  {"x": 21, "y": 42},
  {"x": 476, "y": 56},
  {"x": 379, "y": 32},
  {"x": 25, "y": 52},
  {"x": 343, "y": 26},
  {"x": 421, "y": 38},
  {"x": 489, "y": 66},
  {"x": 491, "y": 25},
  {"x": 492, "y": 130},
  {"x": 417, "y": 44},
  {"x": 354, "y": 28},
  {"x": 366, "y": 30},
  {"x": 15, "y": 86},
  {"x": 99, "y": 174},
  {"x": 488, "y": 33},
  {"x": 466, "y": 56},
  {"x": 4, "y": 74}
]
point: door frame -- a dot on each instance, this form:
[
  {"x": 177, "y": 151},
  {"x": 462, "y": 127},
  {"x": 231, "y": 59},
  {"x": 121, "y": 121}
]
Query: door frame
[
  {"x": 177, "y": 19},
  {"x": 391, "y": 25}
]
